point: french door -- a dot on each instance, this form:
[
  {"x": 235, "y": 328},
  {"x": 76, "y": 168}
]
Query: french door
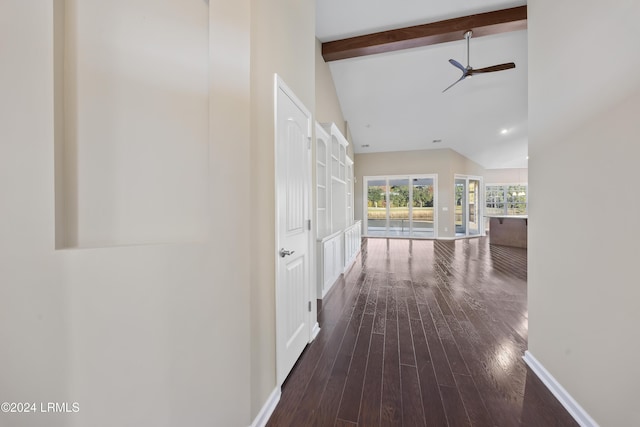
[
  {"x": 468, "y": 205},
  {"x": 401, "y": 206}
]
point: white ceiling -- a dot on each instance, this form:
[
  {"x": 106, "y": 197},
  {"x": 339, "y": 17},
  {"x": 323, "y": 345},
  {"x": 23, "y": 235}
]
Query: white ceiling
[{"x": 394, "y": 101}]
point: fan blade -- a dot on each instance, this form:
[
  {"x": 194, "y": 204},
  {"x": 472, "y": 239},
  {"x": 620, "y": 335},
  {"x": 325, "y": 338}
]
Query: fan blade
[
  {"x": 500, "y": 67},
  {"x": 458, "y": 65},
  {"x": 455, "y": 83}
]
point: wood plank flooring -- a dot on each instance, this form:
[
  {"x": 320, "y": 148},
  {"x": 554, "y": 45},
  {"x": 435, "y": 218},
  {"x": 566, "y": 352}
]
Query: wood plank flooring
[{"x": 421, "y": 333}]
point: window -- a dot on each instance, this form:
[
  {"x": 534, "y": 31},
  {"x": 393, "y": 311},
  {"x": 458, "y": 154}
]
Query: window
[
  {"x": 398, "y": 206},
  {"x": 495, "y": 197},
  {"x": 506, "y": 199}
]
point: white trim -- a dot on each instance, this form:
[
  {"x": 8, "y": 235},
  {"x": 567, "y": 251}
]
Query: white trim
[
  {"x": 315, "y": 331},
  {"x": 265, "y": 413},
  {"x": 575, "y": 410}
]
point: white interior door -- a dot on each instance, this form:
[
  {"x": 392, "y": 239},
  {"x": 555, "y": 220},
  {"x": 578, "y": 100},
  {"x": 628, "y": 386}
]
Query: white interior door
[{"x": 293, "y": 234}]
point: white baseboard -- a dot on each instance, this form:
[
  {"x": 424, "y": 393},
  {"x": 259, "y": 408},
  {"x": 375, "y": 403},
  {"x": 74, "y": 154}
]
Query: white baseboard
[
  {"x": 575, "y": 410},
  {"x": 265, "y": 413},
  {"x": 349, "y": 266},
  {"x": 315, "y": 331}
]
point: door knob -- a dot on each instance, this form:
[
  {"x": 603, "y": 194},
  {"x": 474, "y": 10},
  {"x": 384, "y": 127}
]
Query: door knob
[{"x": 284, "y": 253}]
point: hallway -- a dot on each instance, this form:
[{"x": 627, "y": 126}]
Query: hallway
[{"x": 422, "y": 332}]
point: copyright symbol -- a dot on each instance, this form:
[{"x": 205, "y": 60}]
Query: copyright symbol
[{"x": 5, "y": 407}]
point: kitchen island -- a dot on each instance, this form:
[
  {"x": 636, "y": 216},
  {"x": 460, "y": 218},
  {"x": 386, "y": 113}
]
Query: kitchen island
[{"x": 508, "y": 230}]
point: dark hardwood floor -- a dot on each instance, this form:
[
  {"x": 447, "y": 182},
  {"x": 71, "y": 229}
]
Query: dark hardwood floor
[{"x": 420, "y": 333}]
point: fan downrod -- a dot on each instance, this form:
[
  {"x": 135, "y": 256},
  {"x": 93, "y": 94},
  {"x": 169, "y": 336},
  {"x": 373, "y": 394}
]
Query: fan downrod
[{"x": 467, "y": 37}]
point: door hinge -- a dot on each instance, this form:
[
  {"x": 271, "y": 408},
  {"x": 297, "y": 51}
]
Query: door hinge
[
  {"x": 309, "y": 224},
  {"x": 309, "y": 306},
  {"x": 309, "y": 143}
]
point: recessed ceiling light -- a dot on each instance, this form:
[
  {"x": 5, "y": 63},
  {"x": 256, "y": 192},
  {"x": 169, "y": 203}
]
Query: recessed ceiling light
[
  {"x": 436, "y": 141},
  {"x": 504, "y": 131},
  {"x": 527, "y": 157}
]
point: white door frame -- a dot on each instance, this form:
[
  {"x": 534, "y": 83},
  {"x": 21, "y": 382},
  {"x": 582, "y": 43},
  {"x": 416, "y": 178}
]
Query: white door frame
[
  {"x": 314, "y": 328},
  {"x": 480, "y": 201}
]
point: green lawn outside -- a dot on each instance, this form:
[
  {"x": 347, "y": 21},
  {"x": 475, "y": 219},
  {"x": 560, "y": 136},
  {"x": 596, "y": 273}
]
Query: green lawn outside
[
  {"x": 421, "y": 214},
  {"x": 425, "y": 214}
]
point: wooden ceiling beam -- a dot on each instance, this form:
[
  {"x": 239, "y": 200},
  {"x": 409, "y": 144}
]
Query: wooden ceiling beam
[{"x": 482, "y": 24}]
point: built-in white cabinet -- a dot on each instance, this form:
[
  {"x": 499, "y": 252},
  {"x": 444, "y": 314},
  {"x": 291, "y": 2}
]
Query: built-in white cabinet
[
  {"x": 352, "y": 241},
  {"x": 338, "y": 241},
  {"x": 337, "y": 219},
  {"x": 349, "y": 187},
  {"x": 330, "y": 262},
  {"x": 323, "y": 141}
]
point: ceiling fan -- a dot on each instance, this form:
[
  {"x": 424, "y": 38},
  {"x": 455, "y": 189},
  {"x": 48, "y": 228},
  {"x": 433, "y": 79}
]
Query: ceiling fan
[{"x": 469, "y": 71}]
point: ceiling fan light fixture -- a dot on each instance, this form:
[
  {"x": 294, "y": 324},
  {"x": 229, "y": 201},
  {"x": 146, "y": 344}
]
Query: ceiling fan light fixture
[{"x": 469, "y": 71}]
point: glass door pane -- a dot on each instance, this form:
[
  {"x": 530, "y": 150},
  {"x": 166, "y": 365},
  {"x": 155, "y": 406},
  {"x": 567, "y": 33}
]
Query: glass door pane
[
  {"x": 474, "y": 207},
  {"x": 422, "y": 208},
  {"x": 399, "y": 207},
  {"x": 461, "y": 207},
  {"x": 377, "y": 207}
]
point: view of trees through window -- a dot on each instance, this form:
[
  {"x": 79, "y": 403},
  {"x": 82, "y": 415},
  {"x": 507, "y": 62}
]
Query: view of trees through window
[
  {"x": 468, "y": 212},
  {"x": 506, "y": 199},
  {"x": 400, "y": 206}
]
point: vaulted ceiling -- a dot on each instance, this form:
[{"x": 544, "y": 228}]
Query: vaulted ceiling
[{"x": 394, "y": 102}]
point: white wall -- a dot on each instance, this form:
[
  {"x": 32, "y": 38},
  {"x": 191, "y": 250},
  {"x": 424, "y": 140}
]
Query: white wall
[
  {"x": 328, "y": 108},
  {"x": 135, "y": 118},
  {"x": 138, "y": 335},
  {"x": 506, "y": 176},
  {"x": 584, "y": 104}
]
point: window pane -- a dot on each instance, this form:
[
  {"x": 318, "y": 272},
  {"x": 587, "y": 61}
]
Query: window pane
[
  {"x": 422, "y": 207},
  {"x": 474, "y": 207},
  {"x": 495, "y": 209},
  {"x": 517, "y": 199},
  {"x": 460, "y": 219},
  {"x": 506, "y": 199},
  {"x": 376, "y": 207},
  {"x": 399, "y": 207}
]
